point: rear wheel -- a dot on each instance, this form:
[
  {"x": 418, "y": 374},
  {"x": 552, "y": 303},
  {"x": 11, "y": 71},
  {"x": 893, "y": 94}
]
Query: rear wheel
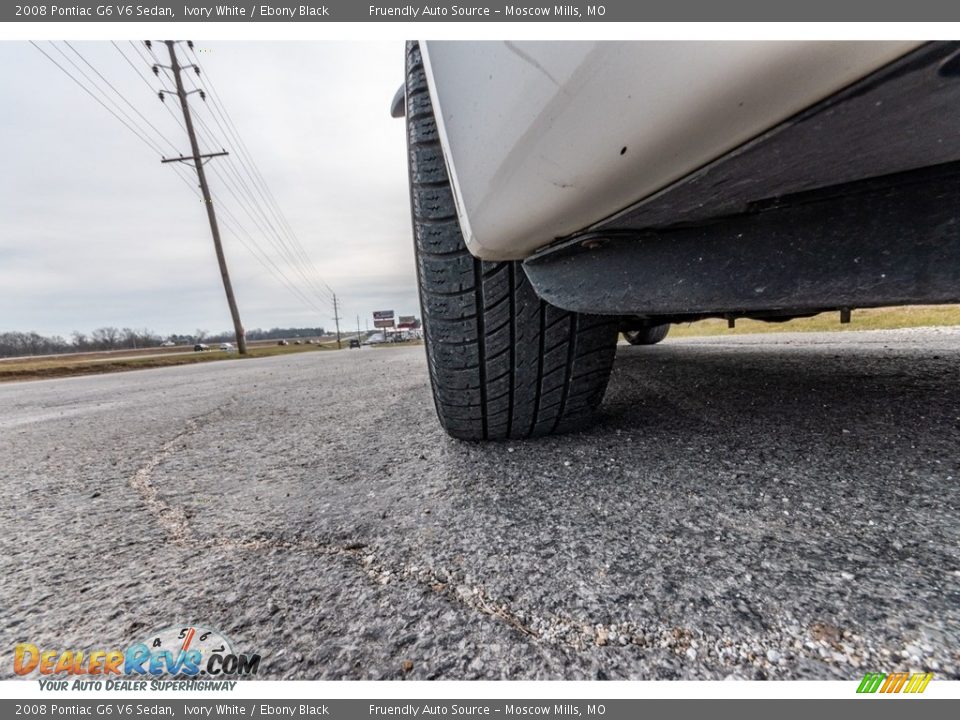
[
  {"x": 649, "y": 335},
  {"x": 503, "y": 363}
]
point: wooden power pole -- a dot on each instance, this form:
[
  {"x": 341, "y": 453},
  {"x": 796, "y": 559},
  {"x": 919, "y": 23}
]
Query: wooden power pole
[
  {"x": 336, "y": 319},
  {"x": 198, "y": 162}
]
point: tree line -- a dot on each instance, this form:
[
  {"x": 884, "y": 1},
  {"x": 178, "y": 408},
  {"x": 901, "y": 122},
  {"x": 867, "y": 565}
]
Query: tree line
[
  {"x": 19, "y": 344},
  {"x": 14, "y": 344}
]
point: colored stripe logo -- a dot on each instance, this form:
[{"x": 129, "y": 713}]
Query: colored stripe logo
[{"x": 894, "y": 683}]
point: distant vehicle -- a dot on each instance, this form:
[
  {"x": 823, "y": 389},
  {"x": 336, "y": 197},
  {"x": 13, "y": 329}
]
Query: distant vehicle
[
  {"x": 200, "y": 347},
  {"x": 283, "y": 342},
  {"x": 565, "y": 192},
  {"x": 168, "y": 343},
  {"x": 297, "y": 342},
  {"x": 308, "y": 341},
  {"x": 354, "y": 343},
  {"x": 227, "y": 346}
]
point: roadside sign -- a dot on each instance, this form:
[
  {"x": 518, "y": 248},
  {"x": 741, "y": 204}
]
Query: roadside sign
[
  {"x": 406, "y": 320},
  {"x": 383, "y": 315},
  {"x": 383, "y": 323}
]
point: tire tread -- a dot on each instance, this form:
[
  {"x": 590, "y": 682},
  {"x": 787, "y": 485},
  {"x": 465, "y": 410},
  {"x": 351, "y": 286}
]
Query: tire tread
[{"x": 503, "y": 363}]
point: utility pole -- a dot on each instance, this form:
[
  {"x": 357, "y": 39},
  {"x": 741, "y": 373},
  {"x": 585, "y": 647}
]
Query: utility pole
[
  {"x": 198, "y": 162},
  {"x": 358, "y": 332},
  {"x": 336, "y": 319}
]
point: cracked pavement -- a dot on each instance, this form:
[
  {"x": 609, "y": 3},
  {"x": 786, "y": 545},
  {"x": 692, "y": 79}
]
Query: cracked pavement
[{"x": 768, "y": 506}]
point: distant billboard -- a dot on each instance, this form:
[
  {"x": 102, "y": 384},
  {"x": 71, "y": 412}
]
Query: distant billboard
[
  {"x": 407, "y": 320},
  {"x": 383, "y": 315},
  {"x": 383, "y": 323}
]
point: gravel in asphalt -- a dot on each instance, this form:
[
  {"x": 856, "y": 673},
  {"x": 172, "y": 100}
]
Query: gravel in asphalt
[{"x": 770, "y": 506}]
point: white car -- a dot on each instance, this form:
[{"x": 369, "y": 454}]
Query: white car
[
  {"x": 564, "y": 192},
  {"x": 228, "y": 347}
]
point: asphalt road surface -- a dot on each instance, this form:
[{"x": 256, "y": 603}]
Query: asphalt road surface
[{"x": 770, "y": 506}]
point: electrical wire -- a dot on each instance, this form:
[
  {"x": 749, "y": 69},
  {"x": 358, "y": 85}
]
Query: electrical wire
[
  {"x": 288, "y": 243},
  {"x": 230, "y": 221},
  {"x": 236, "y": 184},
  {"x": 146, "y": 79},
  {"x": 152, "y": 145},
  {"x": 121, "y": 95},
  {"x": 217, "y": 104},
  {"x": 224, "y": 206}
]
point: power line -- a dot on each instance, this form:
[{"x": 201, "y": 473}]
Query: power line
[
  {"x": 153, "y": 146},
  {"x": 236, "y": 228},
  {"x": 259, "y": 254},
  {"x": 232, "y": 179},
  {"x": 146, "y": 79},
  {"x": 120, "y": 94},
  {"x": 247, "y": 209},
  {"x": 234, "y": 184},
  {"x": 106, "y": 97},
  {"x": 242, "y": 146},
  {"x": 289, "y": 246}
]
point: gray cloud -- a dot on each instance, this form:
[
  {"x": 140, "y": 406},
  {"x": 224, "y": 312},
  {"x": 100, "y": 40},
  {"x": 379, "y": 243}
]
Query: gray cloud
[{"x": 94, "y": 231}]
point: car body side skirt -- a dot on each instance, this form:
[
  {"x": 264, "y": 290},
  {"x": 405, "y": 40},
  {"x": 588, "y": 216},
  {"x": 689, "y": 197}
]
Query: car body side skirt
[
  {"x": 787, "y": 224},
  {"x": 893, "y": 240}
]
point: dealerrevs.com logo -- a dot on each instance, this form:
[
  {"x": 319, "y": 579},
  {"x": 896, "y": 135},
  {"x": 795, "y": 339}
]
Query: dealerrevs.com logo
[{"x": 182, "y": 651}]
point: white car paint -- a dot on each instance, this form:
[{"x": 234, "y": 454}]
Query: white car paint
[{"x": 543, "y": 139}]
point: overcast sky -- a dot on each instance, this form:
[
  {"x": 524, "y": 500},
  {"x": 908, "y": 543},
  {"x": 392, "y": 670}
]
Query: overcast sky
[{"x": 94, "y": 231}]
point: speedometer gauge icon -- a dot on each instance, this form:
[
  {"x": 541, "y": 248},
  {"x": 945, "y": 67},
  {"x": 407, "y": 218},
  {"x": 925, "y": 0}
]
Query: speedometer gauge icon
[{"x": 178, "y": 639}]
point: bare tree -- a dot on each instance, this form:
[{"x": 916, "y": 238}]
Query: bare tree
[
  {"x": 129, "y": 338},
  {"x": 15, "y": 344},
  {"x": 105, "y": 338}
]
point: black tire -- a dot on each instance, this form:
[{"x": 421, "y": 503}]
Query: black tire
[
  {"x": 503, "y": 363},
  {"x": 649, "y": 335}
]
